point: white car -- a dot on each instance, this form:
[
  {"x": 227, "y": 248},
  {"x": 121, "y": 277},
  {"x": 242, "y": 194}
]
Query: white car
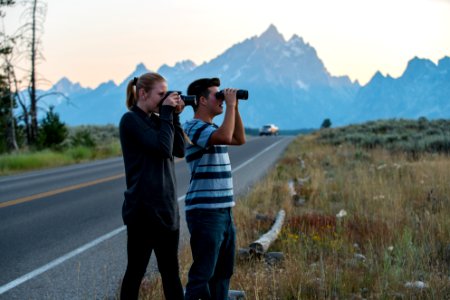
[{"x": 268, "y": 129}]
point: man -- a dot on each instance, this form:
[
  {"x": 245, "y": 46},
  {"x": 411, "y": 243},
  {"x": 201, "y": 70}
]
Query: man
[{"x": 210, "y": 196}]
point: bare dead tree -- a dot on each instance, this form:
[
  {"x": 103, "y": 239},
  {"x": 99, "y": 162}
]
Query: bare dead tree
[
  {"x": 11, "y": 134},
  {"x": 31, "y": 31}
]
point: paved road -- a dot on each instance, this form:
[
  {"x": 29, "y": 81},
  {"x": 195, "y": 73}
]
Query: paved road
[{"x": 61, "y": 232}]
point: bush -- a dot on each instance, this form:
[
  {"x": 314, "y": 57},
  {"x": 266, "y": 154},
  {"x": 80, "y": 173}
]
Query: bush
[{"x": 82, "y": 137}]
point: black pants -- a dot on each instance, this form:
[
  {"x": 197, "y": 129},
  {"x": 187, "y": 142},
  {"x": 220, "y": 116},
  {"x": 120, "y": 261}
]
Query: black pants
[{"x": 142, "y": 240}]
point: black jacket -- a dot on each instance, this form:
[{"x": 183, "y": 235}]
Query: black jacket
[{"x": 149, "y": 144}]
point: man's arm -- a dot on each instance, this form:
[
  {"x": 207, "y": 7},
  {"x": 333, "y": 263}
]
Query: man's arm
[
  {"x": 224, "y": 134},
  {"x": 239, "y": 130}
]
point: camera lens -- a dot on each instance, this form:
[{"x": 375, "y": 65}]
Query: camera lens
[{"x": 189, "y": 100}]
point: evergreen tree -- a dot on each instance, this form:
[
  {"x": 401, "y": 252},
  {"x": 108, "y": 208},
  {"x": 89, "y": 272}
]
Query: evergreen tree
[
  {"x": 5, "y": 108},
  {"x": 326, "y": 124},
  {"x": 52, "y": 132}
]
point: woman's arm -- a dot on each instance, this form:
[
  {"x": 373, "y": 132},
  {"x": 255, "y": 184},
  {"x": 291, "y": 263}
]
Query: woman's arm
[
  {"x": 134, "y": 130},
  {"x": 179, "y": 137}
]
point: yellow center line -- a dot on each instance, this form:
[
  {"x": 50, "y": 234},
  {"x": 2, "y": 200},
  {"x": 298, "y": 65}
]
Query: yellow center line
[{"x": 58, "y": 191}]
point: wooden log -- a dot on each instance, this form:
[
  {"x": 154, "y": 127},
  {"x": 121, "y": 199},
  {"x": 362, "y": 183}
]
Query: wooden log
[
  {"x": 262, "y": 244},
  {"x": 244, "y": 254},
  {"x": 236, "y": 295},
  {"x": 232, "y": 294}
]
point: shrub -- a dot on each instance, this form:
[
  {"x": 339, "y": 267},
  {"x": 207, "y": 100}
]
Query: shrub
[{"x": 82, "y": 137}]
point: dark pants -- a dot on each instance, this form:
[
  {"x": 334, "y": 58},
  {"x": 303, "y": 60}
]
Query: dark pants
[
  {"x": 213, "y": 245},
  {"x": 142, "y": 240}
]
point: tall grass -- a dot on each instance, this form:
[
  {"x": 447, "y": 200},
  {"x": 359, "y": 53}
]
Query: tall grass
[{"x": 396, "y": 231}]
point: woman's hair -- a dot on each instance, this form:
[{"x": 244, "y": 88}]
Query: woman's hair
[{"x": 146, "y": 82}]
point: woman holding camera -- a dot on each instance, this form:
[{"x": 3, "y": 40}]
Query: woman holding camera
[{"x": 151, "y": 136}]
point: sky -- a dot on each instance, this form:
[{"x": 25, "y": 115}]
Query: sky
[{"x": 93, "y": 41}]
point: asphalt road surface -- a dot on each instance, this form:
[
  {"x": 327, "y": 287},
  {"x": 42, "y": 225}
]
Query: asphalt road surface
[{"x": 61, "y": 230}]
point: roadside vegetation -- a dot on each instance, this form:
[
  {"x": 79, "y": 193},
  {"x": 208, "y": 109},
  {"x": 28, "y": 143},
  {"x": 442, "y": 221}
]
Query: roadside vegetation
[
  {"x": 78, "y": 144},
  {"x": 370, "y": 220},
  {"x": 60, "y": 145}
]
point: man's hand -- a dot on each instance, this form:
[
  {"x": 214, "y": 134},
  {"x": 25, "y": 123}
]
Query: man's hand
[{"x": 230, "y": 97}]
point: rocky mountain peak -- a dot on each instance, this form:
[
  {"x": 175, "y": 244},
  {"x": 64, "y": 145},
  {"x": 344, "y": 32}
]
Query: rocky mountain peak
[
  {"x": 444, "y": 63},
  {"x": 180, "y": 67},
  {"x": 138, "y": 71},
  {"x": 64, "y": 85},
  {"x": 419, "y": 67},
  {"x": 140, "y": 68},
  {"x": 272, "y": 35}
]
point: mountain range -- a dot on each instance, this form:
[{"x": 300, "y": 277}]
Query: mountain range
[{"x": 288, "y": 85}]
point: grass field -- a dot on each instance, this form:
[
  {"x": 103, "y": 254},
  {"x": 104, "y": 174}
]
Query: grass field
[{"x": 34, "y": 160}]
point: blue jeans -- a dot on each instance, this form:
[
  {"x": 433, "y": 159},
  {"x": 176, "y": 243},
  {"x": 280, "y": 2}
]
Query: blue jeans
[{"x": 213, "y": 239}]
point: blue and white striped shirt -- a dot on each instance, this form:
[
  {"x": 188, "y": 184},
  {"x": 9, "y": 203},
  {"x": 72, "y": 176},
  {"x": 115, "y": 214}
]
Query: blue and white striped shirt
[{"x": 211, "y": 182}]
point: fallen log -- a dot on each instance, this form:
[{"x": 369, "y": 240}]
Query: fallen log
[
  {"x": 261, "y": 245},
  {"x": 274, "y": 258},
  {"x": 232, "y": 294},
  {"x": 236, "y": 295}
]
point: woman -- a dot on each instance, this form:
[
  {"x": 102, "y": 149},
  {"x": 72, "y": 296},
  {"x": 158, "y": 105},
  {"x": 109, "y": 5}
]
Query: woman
[{"x": 150, "y": 136}]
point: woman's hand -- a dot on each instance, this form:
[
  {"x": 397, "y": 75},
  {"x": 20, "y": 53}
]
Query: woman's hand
[
  {"x": 179, "y": 108},
  {"x": 173, "y": 100}
]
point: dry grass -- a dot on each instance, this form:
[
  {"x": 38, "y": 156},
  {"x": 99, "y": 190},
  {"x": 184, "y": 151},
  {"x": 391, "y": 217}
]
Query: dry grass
[{"x": 397, "y": 227}]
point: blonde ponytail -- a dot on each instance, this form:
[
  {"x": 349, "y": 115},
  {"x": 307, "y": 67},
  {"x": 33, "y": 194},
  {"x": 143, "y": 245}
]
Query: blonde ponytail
[{"x": 131, "y": 93}]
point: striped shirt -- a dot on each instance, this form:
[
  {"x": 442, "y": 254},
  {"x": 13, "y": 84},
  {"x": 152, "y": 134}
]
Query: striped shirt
[{"x": 211, "y": 182}]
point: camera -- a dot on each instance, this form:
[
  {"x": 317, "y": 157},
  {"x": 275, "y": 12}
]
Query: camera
[
  {"x": 187, "y": 99},
  {"x": 240, "y": 94}
]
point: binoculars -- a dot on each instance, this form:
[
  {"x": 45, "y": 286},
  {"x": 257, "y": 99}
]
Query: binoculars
[{"x": 240, "y": 94}]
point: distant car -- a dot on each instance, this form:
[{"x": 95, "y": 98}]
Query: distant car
[{"x": 268, "y": 129}]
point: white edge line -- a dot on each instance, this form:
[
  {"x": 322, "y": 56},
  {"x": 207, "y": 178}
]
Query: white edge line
[
  {"x": 60, "y": 260},
  {"x": 254, "y": 157}
]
